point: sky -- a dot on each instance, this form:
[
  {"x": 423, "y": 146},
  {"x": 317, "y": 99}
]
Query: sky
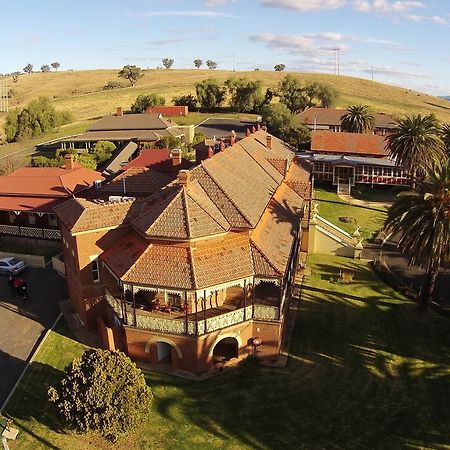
[{"x": 404, "y": 43}]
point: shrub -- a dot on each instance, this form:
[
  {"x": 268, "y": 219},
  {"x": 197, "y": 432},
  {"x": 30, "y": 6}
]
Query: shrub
[
  {"x": 102, "y": 391},
  {"x": 144, "y": 101},
  {"x": 102, "y": 151},
  {"x": 113, "y": 85}
]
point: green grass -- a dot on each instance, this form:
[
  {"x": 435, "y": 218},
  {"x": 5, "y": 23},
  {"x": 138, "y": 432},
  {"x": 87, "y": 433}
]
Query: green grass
[
  {"x": 370, "y": 219},
  {"x": 365, "y": 371}
]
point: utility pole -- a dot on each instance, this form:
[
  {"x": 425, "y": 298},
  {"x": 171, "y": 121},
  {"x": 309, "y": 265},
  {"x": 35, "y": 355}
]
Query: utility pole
[
  {"x": 4, "y": 105},
  {"x": 372, "y": 73}
]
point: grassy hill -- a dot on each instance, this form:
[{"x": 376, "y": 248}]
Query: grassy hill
[{"x": 82, "y": 91}]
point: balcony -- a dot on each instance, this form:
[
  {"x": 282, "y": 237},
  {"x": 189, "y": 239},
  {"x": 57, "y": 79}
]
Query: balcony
[
  {"x": 175, "y": 321},
  {"x": 30, "y": 232}
]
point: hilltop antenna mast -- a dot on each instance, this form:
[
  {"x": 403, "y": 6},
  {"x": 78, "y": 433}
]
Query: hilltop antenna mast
[{"x": 4, "y": 100}]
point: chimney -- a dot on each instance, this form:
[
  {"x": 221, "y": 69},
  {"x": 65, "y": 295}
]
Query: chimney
[
  {"x": 222, "y": 146},
  {"x": 69, "y": 162},
  {"x": 269, "y": 141},
  {"x": 183, "y": 177},
  {"x": 253, "y": 129},
  {"x": 233, "y": 137},
  {"x": 175, "y": 154},
  {"x": 119, "y": 111},
  {"x": 210, "y": 152},
  {"x": 247, "y": 132}
]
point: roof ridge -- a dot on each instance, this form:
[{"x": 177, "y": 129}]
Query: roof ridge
[
  {"x": 257, "y": 162},
  {"x": 264, "y": 256},
  {"x": 200, "y": 206},
  {"x": 227, "y": 196},
  {"x": 186, "y": 211}
]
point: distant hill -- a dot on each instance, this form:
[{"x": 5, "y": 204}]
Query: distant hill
[
  {"x": 82, "y": 91},
  {"x": 446, "y": 97}
]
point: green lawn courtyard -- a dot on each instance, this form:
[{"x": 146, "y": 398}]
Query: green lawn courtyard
[
  {"x": 365, "y": 371},
  {"x": 370, "y": 219}
]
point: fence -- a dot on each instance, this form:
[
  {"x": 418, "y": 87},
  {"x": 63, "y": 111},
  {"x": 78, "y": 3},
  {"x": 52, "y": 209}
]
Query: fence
[{"x": 35, "y": 261}]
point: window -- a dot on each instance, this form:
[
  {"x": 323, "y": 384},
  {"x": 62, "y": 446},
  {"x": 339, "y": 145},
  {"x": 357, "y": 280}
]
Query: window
[
  {"x": 31, "y": 219},
  {"x": 52, "y": 220},
  {"x": 95, "y": 270}
]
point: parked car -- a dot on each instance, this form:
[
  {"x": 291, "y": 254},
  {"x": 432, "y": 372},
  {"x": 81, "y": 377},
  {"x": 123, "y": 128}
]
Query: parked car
[{"x": 12, "y": 266}]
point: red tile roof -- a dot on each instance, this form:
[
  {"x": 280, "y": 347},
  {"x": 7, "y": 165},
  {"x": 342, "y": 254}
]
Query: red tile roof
[
  {"x": 47, "y": 181},
  {"x": 35, "y": 204},
  {"x": 149, "y": 158},
  {"x": 348, "y": 143}
]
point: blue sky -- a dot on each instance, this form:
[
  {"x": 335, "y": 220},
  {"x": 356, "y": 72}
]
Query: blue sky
[{"x": 403, "y": 42}]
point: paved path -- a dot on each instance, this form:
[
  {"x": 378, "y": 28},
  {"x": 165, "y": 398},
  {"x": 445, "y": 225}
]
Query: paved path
[
  {"x": 364, "y": 203},
  {"x": 22, "y": 324}
]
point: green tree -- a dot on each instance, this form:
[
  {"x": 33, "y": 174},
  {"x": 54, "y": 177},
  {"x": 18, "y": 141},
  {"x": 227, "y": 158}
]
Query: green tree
[
  {"x": 167, "y": 63},
  {"x": 322, "y": 95},
  {"x": 446, "y": 137},
  {"x": 292, "y": 94},
  {"x": 198, "y": 63},
  {"x": 113, "y": 85},
  {"x": 210, "y": 94},
  {"x": 188, "y": 100},
  {"x": 169, "y": 142},
  {"x": 416, "y": 143},
  {"x": 212, "y": 65},
  {"x": 102, "y": 151},
  {"x": 358, "y": 119},
  {"x": 287, "y": 126},
  {"x": 56, "y": 65},
  {"x": 10, "y": 126},
  {"x": 143, "y": 101},
  {"x": 422, "y": 220},
  {"x": 279, "y": 67},
  {"x": 131, "y": 73},
  {"x": 102, "y": 391},
  {"x": 45, "y": 68},
  {"x": 245, "y": 95},
  {"x": 87, "y": 160},
  {"x": 28, "y": 68}
]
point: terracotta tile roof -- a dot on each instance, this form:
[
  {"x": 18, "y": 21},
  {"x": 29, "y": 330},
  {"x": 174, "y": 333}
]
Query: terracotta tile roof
[
  {"x": 276, "y": 230},
  {"x": 348, "y": 143},
  {"x": 138, "y": 181},
  {"x": 131, "y": 122},
  {"x": 47, "y": 181},
  {"x": 79, "y": 214},
  {"x": 185, "y": 212},
  {"x": 220, "y": 199},
  {"x": 332, "y": 116},
  {"x": 262, "y": 265},
  {"x": 207, "y": 264},
  {"x": 36, "y": 204},
  {"x": 159, "y": 160}
]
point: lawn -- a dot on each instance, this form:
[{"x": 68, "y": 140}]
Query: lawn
[
  {"x": 365, "y": 371},
  {"x": 370, "y": 219}
]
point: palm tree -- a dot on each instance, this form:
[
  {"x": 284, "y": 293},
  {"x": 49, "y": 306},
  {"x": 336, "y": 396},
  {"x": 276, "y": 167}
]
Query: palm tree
[
  {"x": 446, "y": 136},
  {"x": 358, "y": 119},
  {"x": 422, "y": 218},
  {"x": 416, "y": 143}
]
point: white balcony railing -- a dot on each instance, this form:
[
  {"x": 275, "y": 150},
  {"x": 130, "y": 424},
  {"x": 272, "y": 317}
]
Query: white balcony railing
[{"x": 31, "y": 232}]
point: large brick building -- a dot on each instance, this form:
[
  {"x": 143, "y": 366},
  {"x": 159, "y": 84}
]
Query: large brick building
[{"x": 199, "y": 271}]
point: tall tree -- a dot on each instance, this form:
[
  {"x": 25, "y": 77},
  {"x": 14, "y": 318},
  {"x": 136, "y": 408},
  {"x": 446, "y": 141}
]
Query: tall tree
[
  {"x": 167, "y": 63},
  {"x": 212, "y": 65},
  {"x": 198, "y": 63},
  {"x": 131, "y": 73},
  {"x": 45, "y": 68},
  {"x": 56, "y": 65},
  {"x": 422, "y": 218},
  {"x": 292, "y": 94},
  {"x": 210, "y": 94},
  {"x": 446, "y": 137},
  {"x": 245, "y": 95},
  {"x": 416, "y": 143},
  {"x": 188, "y": 100},
  {"x": 279, "y": 67},
  {"x": 359, "y": 119},
  {"x": 28, "y": 68}
]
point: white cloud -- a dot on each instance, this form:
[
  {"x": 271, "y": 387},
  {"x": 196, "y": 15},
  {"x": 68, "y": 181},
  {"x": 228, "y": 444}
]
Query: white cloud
[
  {"x": 386, "y": 6},
  {"x": 435, "y": 19},
  {"x": 305, "y": 5},
  {"x": 218, "y": 2}
]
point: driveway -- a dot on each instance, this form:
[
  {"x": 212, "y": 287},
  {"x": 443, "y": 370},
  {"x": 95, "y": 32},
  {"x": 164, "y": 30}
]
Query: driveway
[{"x": 22, "y": 324}]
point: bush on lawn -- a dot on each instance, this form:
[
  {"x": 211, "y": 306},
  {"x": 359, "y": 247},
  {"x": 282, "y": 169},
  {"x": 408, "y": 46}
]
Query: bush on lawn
[{"x": 102, "y": 391}]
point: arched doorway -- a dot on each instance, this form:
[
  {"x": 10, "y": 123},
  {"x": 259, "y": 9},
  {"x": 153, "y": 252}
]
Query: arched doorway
[
  {"x": 226, "y": 349},
  {"x": 164, "y": 353}
]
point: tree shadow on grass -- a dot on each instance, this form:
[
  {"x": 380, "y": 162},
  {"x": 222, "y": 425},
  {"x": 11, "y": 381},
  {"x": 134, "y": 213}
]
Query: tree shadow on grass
[{"x": 362, "y": 376}]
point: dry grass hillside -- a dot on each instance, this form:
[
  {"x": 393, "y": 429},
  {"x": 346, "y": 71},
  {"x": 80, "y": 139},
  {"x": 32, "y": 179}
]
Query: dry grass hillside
[{"x": 82, "y": 91}]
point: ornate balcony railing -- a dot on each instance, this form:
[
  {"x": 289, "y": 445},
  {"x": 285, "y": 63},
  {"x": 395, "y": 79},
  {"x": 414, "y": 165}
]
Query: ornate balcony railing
[
  {"x": 180, "y": 325},
  {"x": 31, "y": 232},
  {"x": 266, "y": 312}
]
